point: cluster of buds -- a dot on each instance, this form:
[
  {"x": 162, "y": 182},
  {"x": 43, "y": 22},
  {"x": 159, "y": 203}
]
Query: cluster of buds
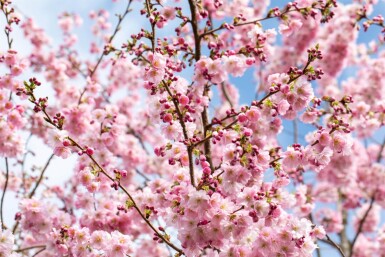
[
  {"x": 275, "y": 12},
  {"x": 28, "y": 87},
  {"x": 148, "y": 210},
  {"x": 122, "y": 208},
  {"x": 253, "y": 214},
  {"x": 326, "y": 10},
  {"x": 294, "y": 72},
  {"x": 120, "y": 174},
  {"x": 339, "y": 106},
  {"x": 314, "y": 74},
  {"x": 115, "y": 185},
  {"x": 207, "y": 182},
  {"x": 58, "y": 119},
  {"x": 157, "y": 238},
  {"x": 64, "y": 233},
  {"x": 40, "y": 104},
  {"x": 314, "y": 54},
  {"x": 203, "y": 222}
]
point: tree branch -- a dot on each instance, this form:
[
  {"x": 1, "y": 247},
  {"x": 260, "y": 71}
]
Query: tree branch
[
  {"x": 335, "y": 245},
  {"x": 32, "y": 193},
  {"x": 117, "y": 28},
  {"x": 3, "y": 195}
]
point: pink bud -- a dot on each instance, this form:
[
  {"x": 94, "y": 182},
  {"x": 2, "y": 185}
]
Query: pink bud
[
  {"x": 207, "y": 171},
  {"x": 123, "y": 173},
  {"x": 242, "y": 118},
  {"x": 66, "y": 143},
  {"x": 89, "y": 151}
]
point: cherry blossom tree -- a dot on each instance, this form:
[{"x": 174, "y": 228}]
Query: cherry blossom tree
[{"x": 170, "y": 162}]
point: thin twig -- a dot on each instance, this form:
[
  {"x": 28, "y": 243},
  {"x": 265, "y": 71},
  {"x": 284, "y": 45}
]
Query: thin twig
[
  {"x": 295, "y": 131},
  {"x": 38, "y": 252},
  {"x": 148, "y": 7},
  {"x": 224, "y": 91},
  {"x": 335, "y": 245},
  {"x": 362, "y": 221},
  {"x": 3, "y": 195},
  {"x": 117, "y": 28},
  {"x": 132, "y": 132},
  {"x": 147, "y": 179},
  {"x": 23, "y": 162},
  {"x": 29, "y": 248},
  {"x": 32, "y": 193},
  {"x": 209, "y": 32},
  {"x": 361, "y": 225}
]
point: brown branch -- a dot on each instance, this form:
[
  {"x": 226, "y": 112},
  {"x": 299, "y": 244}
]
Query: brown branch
[
  {"x": 29, "y": 248},
  {"x": 3, "y": 195},
  {"x": 38, "y": 252},
  {"x": 362, "y": 221},
  {"x": 379, "y": 155},
  {"x": 141, "y": 142},
  {"x": 226, "y": 95},
  {"x": 206, "y": 90},
  {"x": 335, "y": 245},
  {"x": 148, "y": 7},
  {"x": 144, "y": 176},
  {"x": 268, "y": 16},
  {"x": 361, "y": 225},
  {"x": 194, "y": 24},
  {"x": 32, "y": 193}
]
